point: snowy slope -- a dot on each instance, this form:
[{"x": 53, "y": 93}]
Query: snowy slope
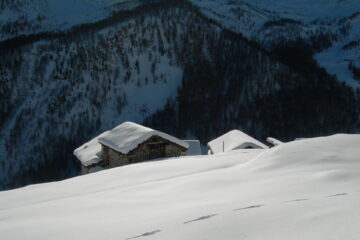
[{"x": 306, "y": 189}]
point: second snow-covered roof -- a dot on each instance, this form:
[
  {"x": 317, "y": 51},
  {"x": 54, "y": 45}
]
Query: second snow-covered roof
[
  {"x": 232, "y": 140},
  {"x": 274, "y": 141},
  {"x": 127, "y": 136}
]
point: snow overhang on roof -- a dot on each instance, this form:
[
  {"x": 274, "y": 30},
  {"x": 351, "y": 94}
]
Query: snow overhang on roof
[
  {"x": 274, "y": 141},
  {"x": 127, "y": 136},
  {"x": 232, "y": 140},
  {"x": 90, "y": 153}
]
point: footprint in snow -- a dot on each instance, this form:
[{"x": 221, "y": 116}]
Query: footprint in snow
[
  {"x": 338, "y": 195},
  {"x": 200, "y": 218},
  {"x": 298, "y": 200},
  {"x": 145, "y": 234},
  {"x": 249, "y": 207}
]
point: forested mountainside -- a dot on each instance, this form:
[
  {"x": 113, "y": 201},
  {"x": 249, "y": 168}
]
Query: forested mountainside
[
  {"x": 58, "y": 93},
  {"x": 26, "y": 17},
  {"x": 22, "y": 17},
  {"x": 314, "y": 105},
  {"x": 163, "y": 63},
  {"x": 325, "y": 29}
]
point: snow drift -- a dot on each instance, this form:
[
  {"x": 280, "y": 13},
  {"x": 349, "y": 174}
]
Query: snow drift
[{"x": 308, "y": 189}]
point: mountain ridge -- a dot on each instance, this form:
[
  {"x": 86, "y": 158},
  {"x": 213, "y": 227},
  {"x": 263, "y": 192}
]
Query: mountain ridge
[{"x": 163, "y": 63}]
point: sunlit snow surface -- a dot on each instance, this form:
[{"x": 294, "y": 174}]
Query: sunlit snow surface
[{"x": 308, "y": 189}]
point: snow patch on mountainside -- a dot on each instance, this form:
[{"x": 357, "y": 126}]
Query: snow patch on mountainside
[
  {"x": 309, "y": 10},
  {"x": 271, "y": 23},
  {"x": 307, "y": 189},
  {"x": 237, "y": 16},
  {"x": 344, "y": 53},
  {"x": 29, "y": 17}
]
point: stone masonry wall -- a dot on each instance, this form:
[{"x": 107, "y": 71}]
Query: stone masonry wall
[
  {"x": 172, "y": 150},
  {"x": 84, "y": 170},
  {"x": 114, "y": 159},
  {"x": 140, "y": 154}
]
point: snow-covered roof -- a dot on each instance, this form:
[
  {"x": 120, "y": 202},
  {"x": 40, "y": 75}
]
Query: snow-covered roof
[
  {"x": 127, "y": 136},
  {"x": 274, "y": 141},
  {"x": 90, "y": 153},
  {"x": 232, "y": 140},
  {"x": 194, "y": 148}
]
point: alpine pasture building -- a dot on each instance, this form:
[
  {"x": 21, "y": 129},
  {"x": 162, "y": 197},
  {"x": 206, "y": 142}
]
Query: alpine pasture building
[
  {"x": 126, "y": 144},
  {"x": 234, "y": 140}
]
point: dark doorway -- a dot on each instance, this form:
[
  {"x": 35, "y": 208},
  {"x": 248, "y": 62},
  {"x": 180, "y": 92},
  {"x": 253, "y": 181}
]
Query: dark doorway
[{"x": 157, "y": 150}]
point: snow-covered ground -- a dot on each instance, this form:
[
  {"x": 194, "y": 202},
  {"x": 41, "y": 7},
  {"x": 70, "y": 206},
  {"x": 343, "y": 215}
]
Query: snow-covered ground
[{"x": 308, "y": 189}]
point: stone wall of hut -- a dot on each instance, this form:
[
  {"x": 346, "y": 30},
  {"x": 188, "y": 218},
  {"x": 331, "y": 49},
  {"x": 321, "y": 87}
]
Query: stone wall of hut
[
  {"x": 84, "y": 170},
  {"x": 141, "y": 153},
  {"x": 173, "y": 150}
]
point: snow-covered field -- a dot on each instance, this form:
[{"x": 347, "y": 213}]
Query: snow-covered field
[{"x": 308, "y": 189}]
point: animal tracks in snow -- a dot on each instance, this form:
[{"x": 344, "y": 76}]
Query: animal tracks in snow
[
  {"x": 249, "y": 207},
  {"x": 338, "y": 195},
  {"x": 298, "y": 200},
  {"x": 201, "y": 218},
  {"x": 145, "y": 234}
]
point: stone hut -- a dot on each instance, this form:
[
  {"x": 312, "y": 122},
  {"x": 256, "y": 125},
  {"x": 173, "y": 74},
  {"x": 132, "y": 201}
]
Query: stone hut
[
  {"x": 126, "y": 144},
  {"x": 234, "y": 140}
]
